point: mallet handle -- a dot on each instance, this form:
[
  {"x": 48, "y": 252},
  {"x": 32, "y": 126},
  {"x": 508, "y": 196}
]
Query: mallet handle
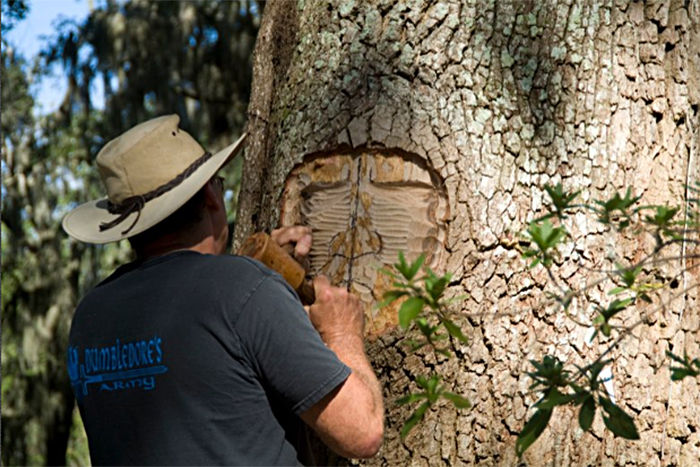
[{"x": 261, "y": 247}]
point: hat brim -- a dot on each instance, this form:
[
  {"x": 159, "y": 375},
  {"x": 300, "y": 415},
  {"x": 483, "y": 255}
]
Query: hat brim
[{"x": 83, "y": 222}]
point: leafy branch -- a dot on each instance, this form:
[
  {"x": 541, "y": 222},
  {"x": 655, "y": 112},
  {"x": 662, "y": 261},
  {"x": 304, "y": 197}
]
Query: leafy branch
[
  {"x": 687, "y": 368},
  {"x": 559, "y": 388},
  {"x": 426, "y": 309},
  {"x": 545, "y": 237}
]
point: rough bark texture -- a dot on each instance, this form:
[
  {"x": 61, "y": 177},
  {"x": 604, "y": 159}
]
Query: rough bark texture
[
  {"x": 499, "y": 98},
  {"x": 272, "y": 55}
]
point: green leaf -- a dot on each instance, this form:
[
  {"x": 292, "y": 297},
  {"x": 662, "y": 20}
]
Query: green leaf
[
  {"x": 409, "y": 310},
  {"x": 618, "y": 421},
  {"x": 554, "y": 398},
  {"x": 409, "y": 399},
  {"x": 454, "y": 330},
  {"x": 401, "y": 266},
  {"x": 415, "y": 345},
  {"x": 436, "y": 288},
  {"x": 678, "y": 374},
  {"x": 432, "y": 384},
  {"x": 565, "y": 300},
  {"x": 628, "y": 275},
  {"x": 390, "y": 297},
  {"x": 422, "y": 381},
  {"x": 414, "y": 419},
  {"x": 663, "y": 216},
  {"x": 426, "y": 329},
  {"x": 594, "y": 370},
  {"x": 458, "y": 401},
  {"x": 560, "y": 198},
  {"x": 390, "y": 273},
  {"x": 578, "y": 389},
  {"x": 532, "y": 430},
  {"x": 408, "y": 271},
  {"x": 430, "y": 279},
  {"x": 617, "y": 306},
  {"x": 415, "y": 267},
  {"x": 550, "y": 372},
  {"x": 586, "y": 414},
  {"x": 621, "y": 304},
  {"x": 617, "y": 290},
  {"x": 545, "y": 235},
  {"x": 617, "y": 203},
  {"x": 675, "y": 357}
]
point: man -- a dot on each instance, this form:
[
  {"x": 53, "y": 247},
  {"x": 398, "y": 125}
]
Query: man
[{"x": 188, "y": 356}]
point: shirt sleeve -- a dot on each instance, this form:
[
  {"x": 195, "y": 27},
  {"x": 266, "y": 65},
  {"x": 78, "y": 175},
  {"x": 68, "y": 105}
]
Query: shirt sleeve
[{"x": 284, "y": 349}]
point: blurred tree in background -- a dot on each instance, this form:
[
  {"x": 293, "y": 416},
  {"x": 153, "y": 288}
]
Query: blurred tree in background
[{"x": 152, "y": 58}]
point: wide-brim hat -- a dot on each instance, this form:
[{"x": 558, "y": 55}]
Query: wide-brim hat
[{"x": 149, "y": 172}]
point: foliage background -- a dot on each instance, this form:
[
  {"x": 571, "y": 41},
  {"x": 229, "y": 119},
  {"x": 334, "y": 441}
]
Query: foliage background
[{"x": 190, "y": 58}]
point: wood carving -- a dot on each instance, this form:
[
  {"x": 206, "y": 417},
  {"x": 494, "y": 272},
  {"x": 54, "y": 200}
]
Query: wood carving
[{"x": 364, "y": 207}]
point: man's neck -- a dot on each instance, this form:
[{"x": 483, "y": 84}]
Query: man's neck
[
  {"x": 205, "y": 246},
  {"x": 208, "y": 236}
]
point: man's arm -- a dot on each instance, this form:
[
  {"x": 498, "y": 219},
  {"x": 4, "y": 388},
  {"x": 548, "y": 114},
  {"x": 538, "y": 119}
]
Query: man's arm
[{"x": 350, "y": 419}]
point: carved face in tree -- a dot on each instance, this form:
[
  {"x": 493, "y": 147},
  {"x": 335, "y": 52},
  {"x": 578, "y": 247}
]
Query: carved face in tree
[{"x": 364, "y": 207}]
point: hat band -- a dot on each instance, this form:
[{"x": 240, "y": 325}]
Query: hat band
[{"x": 137, "y": 202}]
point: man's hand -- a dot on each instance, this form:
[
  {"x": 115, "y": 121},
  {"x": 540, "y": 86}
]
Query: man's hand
[
  {"x": 336, "y": 314},
  {"x": 296, "y": 240}
]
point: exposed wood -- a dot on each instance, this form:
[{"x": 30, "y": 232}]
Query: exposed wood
[{"x": 364, "y": 207}]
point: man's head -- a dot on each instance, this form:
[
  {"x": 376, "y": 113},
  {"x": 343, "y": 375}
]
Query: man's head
[
  {"x": 150, "y": 173},
  {"x": 201, "y": 216}
]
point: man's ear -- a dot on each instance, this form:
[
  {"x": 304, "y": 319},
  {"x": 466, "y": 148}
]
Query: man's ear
[{"x": 212, "y": 197}]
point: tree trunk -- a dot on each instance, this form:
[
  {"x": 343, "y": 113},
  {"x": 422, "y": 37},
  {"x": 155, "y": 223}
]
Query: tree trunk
[{"x": 433, "y": 126}]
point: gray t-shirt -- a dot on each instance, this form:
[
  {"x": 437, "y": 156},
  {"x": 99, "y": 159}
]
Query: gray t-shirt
[{"x": 191, "y": 359}]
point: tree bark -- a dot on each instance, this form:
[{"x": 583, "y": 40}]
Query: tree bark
[
  {"x": 271, "y": 59},
  {"x": 495, "y": 99}
]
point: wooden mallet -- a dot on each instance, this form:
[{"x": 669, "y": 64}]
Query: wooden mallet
[{"x": 261, "y": 247}]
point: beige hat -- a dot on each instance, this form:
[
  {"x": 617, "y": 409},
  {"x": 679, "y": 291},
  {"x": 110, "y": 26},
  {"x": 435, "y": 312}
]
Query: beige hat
[{"x": 150, "y": 171}]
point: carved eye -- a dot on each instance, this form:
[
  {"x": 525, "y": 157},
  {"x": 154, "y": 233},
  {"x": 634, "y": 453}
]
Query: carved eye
[{"x": 364, "y": 208}]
